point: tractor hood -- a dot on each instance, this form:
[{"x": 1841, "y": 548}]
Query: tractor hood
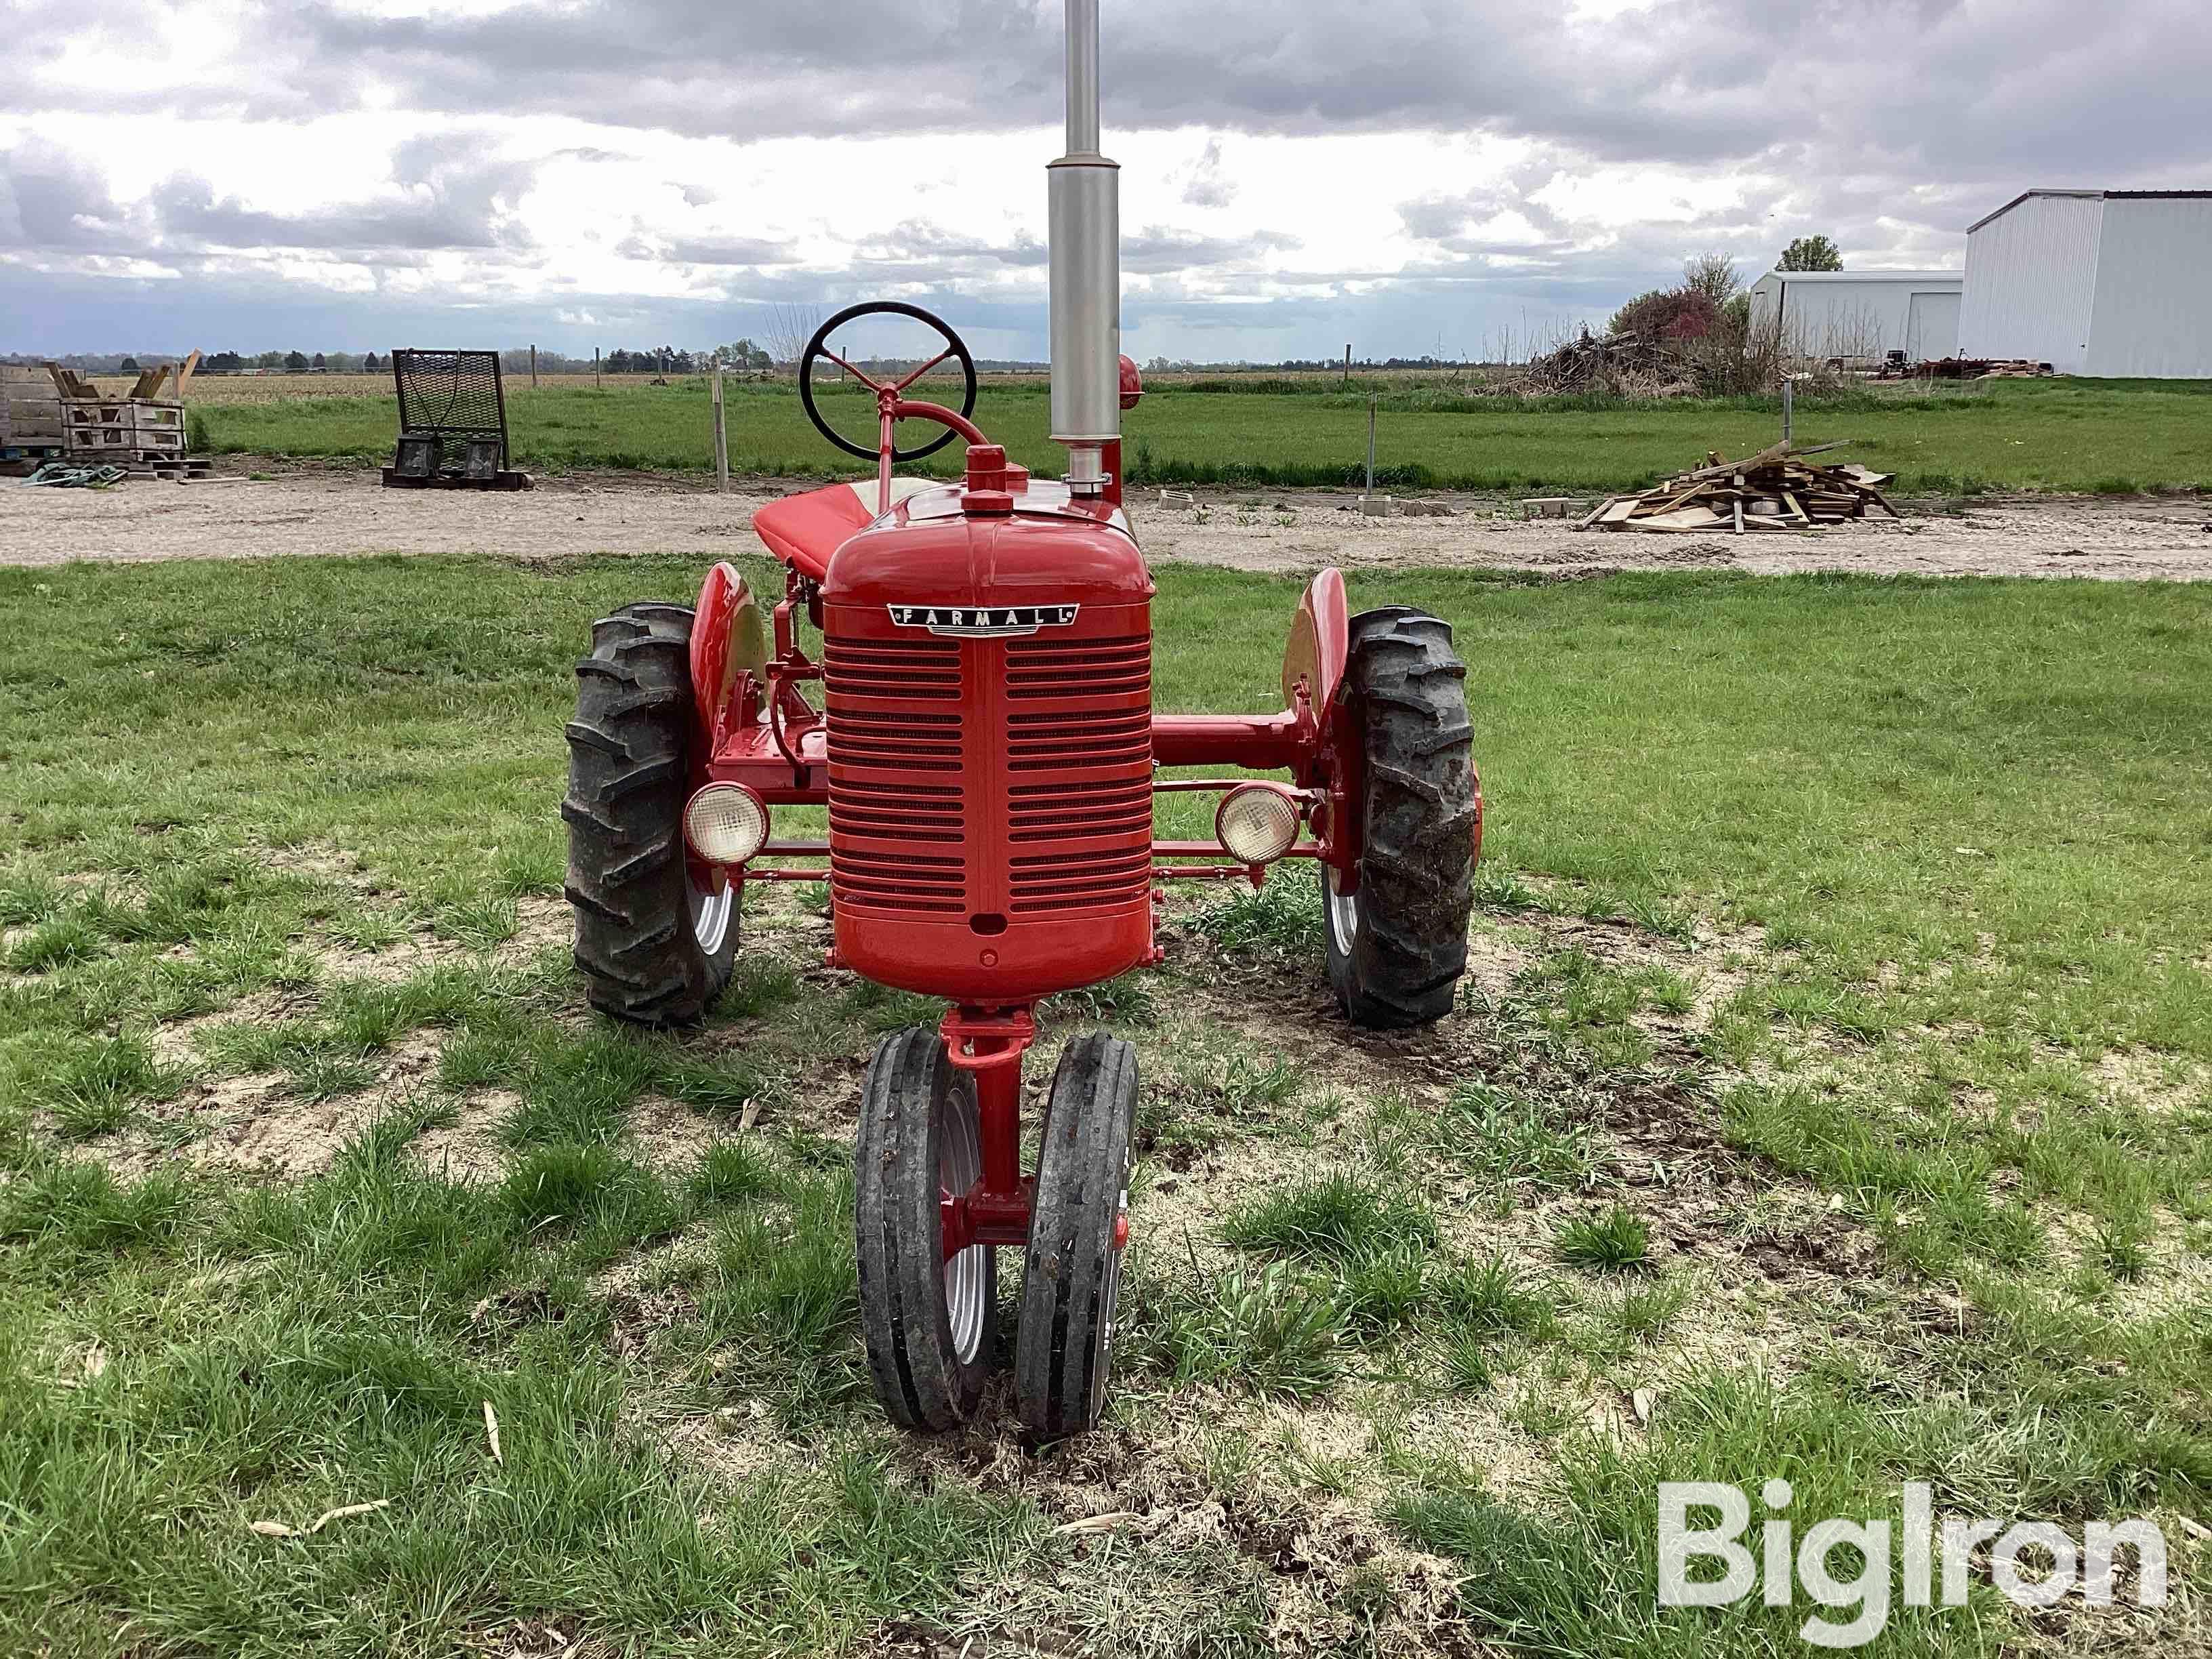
[{"x": 1054, "y": 548}]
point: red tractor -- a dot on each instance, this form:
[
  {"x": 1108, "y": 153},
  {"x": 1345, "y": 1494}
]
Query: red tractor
[{"x": 987, "y": 747}]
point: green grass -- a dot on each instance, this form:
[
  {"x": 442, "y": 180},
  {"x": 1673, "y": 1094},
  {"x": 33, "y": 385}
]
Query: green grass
[
  {"x": 1611, "y": 1241},
  {"x": 225, "y": 778},
  {"x": 1337, "y": 1219},
  {"x": 2052, "y": 434}
]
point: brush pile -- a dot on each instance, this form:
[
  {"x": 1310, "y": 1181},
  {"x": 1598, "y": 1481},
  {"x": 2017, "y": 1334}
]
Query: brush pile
[
  {"x": 1614, "y": 365},
  {"x": 1778, "y": 489}
]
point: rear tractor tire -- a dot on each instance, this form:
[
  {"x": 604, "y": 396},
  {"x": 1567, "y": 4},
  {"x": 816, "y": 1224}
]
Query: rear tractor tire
[
  {"x": 655, "y": 939},
  {"x": 1397, "y": 943},
  {"x": 1078, "y": 1229},
  {"x": 927, "y": 1322}
]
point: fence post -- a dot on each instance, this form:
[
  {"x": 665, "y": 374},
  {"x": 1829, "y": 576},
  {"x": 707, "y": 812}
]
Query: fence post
[
  {"x": 595, "y": 368},
  {"x": 1347, "y": 362},
  {"x": 1370, "y": 451},
  {"x": 721, "y": 436},
  {"x": 1788, "y": 386},
  {"x": 533, "y": 368}
]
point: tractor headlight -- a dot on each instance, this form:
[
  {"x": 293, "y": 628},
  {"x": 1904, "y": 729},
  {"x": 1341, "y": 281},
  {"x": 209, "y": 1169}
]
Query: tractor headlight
[
  {"x": 1257, "y": 823},
  {"x": 725, "y": 823}
]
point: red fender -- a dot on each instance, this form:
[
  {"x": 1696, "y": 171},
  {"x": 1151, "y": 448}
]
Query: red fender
[
  {"x": 727, "y": 645},
  {"x": 1316, "y": 650}
]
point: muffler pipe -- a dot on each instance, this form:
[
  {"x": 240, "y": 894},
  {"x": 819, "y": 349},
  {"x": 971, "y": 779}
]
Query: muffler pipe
[{"x": 1083, "y": 225}]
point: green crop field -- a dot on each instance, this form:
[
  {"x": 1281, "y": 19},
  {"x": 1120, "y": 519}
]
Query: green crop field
[
  {"x": 2113, "y": 436},
  {"x": 1832, "y": 1099}
]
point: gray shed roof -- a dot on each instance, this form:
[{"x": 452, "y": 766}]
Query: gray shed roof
[{"x": 2098, "y": 195}]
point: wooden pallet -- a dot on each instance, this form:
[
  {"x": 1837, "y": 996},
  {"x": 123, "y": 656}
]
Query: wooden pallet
[
  {"x": 178, "y": 469},
  {"x": 125, "y": 414},
  {"x": 116, "y": 442}
]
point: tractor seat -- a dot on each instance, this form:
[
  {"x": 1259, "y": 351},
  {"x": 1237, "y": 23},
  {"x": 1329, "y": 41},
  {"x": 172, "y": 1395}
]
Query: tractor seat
[{"x": 804, "y": 530}]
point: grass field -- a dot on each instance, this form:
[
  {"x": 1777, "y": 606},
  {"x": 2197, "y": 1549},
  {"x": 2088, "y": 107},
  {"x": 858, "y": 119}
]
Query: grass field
[
  {"x": 2113, "y": 436},
  {"x": 1832, "y": 1099}
]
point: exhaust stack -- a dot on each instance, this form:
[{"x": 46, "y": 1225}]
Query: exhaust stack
[{"x": 1084, "y": 231}]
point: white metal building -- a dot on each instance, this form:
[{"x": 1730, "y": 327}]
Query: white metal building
[
  {"x": 1862, "y": 314},
  {"x": 2094, "y": 281}
]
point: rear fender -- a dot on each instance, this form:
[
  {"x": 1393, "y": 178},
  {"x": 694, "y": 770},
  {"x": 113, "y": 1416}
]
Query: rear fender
[
  {"x": 1313, "y": 657},
  {"x": 1316, "y": 650},
  {"x": 729, "y": 646}
]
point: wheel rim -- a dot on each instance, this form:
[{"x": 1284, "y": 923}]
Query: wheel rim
[
  {"x": 711, "y": 910},
  {"x": 959, "y": 1161},
  {"x": 1343, "y": 913}
]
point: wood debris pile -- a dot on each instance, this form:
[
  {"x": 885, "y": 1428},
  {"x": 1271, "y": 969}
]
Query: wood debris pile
[
  {"x": 1778, "y": 489},
  {"x": 1622, "y": 364}
]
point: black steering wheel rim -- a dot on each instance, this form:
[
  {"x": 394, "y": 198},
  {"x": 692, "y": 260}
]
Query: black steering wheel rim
[{"x": 880, "y": 307}]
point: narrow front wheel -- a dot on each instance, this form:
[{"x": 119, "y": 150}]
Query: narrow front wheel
[
  {"x": 925, "y": 1317},
  {"x": 1079, "y": 1229}
]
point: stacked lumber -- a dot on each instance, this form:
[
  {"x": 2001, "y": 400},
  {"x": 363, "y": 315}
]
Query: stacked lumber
[
  {"x": 30, "y": 408},
  {"x": 1777, "y": 489}
]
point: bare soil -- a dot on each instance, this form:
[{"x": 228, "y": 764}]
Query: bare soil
[{"x": 321, "y": 510}]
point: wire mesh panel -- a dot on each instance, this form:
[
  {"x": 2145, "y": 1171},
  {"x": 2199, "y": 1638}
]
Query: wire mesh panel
[{"x": 451, "y": 394}]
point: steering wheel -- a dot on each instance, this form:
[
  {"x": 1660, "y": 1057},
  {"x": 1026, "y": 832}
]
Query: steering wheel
[{"x": 889, "y": 403}]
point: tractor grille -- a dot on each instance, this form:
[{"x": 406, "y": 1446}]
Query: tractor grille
[
  {"x": 1064, "y": 726},
  {"x": 1078, "y": 748},
  {"x": 898, "y": 816}
]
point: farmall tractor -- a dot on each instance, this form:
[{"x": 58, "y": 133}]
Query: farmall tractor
[{"x": 986, "y": 744}]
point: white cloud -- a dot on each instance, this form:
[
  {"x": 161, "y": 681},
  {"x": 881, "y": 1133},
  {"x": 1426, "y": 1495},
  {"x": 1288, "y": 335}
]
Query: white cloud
[{"x": 1292, "y": 170}]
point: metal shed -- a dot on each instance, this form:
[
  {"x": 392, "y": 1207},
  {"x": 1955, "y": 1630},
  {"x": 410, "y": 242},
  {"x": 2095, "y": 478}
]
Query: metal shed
[
  {"x": 2094, "y": 281},
  {"x": 1862, "y": 313}
]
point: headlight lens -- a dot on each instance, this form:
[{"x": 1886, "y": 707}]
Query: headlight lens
[
  {"x": 1256, "y": 824},
  {"x": 725, "y": 823}
]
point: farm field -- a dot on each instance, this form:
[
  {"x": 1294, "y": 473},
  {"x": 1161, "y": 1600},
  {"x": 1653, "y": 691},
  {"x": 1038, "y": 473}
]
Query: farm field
[
  {"x": 1831, "y": 1097},
  {"x": 2077, "y": 435}
]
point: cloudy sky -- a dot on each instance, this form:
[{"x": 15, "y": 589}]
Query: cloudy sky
[{"x": 1448, "y": 176}]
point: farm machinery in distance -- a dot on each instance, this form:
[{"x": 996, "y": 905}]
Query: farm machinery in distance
[{"x": 989, "y": 752}]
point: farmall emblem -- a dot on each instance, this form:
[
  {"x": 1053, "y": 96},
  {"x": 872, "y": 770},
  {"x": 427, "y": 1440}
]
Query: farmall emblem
[{"x": 992, "y": 622}]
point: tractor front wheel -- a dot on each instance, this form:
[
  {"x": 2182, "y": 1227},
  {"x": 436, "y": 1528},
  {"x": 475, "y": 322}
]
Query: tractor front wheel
[
  {"x": 1397, "y": 943},
  {"x": 656, "y": 936},
  {"x": 1078, "y": 1228},
  {"x": 926, "y": 1318}
]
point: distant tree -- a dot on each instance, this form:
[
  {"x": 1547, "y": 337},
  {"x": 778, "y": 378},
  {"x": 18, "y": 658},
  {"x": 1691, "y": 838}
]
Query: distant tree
[
  {"x": 128, "y": 365},
  {"x": 269, "y": 359},
  {"x": 1712, "y": 274},
  {"x": 1810, "y": 254},
  {"x": 294, "y": 360},
  {"x": 223, "y": 362},
  {"x": 371, "y": 362},
  {"x": 320, "y": 361}
]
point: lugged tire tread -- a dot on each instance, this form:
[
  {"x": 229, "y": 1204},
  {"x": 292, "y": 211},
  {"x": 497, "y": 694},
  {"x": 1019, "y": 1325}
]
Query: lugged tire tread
[
  {"x": 1417, "y": 868},
  {"x": 626, "y": 882}
]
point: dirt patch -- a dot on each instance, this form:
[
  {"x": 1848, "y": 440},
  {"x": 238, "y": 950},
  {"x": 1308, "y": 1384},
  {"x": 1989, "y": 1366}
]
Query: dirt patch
[
  {"x": 329, "y": 511},
  {"x": 2162, "y": 1084},
  {"x": 256, "y": 1123},
  {"x": 468, "y": 1147},
  {"x": 672, "y": 1137}
]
